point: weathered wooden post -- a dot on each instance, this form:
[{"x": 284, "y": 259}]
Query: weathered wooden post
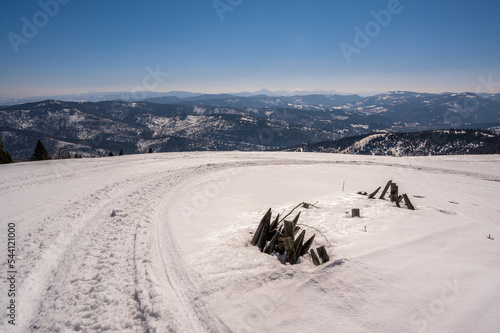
[
  {"x": 296, "y": 219},
  {"x": 399, "y": 198},
  {"x": 355, "y": 212},
  {"x": 372, "y": 195},
  {"x": 290, "y": 251},
  {"x": 280, "y": 247},
  {"x": 386, "y": 188},
  {"x": 394, "y": 192},
  {"x": 272, "y": 244},
  {"x": 307, "y": 245},
  {"x": 408, "y": 202},
  {"x": 315, "y": 258},
  {"x": 274, "y": 225},
  {"x": 322, "y": 254},
  {"x": 256, "y": 236},
  {"x": 298, "y": 244},
  {"x": 261, "y": 243},
  {"x": 288, "y": 230}
]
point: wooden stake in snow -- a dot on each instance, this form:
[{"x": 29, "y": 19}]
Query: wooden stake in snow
[
  {"x": 394, "y": 192},
  {"x": 272, "y": 244},
  {"x": 400, "y": 197},
  {"x": 372, "y": 195},
  {"x": 274, "y": 225},
  {"x": 322, "y": 254},
  {"x": 296, "y": 219},
  {"x": 408, "y": 202},
  {"x": 298, "y": 244},
  {"x": 290, "y": 251},
  {"x": 386, "y": 188},
  {"x": 355, "y": 212},
  {"x": 307, "y": 245},
  {"x": 288, "y": 230},
  {"x": 256, "y": 236},
  {"x": 315, "y": 258},
  {"x": 261, "y": 243}
]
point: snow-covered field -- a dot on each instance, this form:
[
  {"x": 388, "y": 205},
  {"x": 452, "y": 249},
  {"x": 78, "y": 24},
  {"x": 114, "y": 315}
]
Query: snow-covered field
[{"x": 176, "y": 255}]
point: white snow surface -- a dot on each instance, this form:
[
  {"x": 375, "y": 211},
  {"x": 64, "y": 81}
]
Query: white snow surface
[{"x": 176, "y": 256}]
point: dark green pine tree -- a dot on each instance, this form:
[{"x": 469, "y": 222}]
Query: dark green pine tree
[
  {"x": 4, "y": 155},
  {"x": 111, "y": 154},
  {"x": 40, "y": 153},
  {"x": 120, "y": 153},
  {"x": 150, "y": 151}
]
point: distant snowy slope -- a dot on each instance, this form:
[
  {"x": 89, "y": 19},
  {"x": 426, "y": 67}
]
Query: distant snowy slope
[
  {"x": 160, "y": 243},
  {"x": 437, "y": 142}
]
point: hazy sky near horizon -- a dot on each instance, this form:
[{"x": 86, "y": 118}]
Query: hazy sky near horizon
[{"x": 52, "y": 47}]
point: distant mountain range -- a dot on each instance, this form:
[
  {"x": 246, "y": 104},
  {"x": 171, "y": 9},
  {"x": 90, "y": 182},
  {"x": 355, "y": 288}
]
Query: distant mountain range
[
  {"x": 230, "y": 122},
  {"x": 129, "y": 96},
  {"x": 146, "y": 95}
]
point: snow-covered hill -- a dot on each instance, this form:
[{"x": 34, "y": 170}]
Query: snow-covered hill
[
  {"x": 438, "y": 142},
  {"x": 175, "y": 256}
]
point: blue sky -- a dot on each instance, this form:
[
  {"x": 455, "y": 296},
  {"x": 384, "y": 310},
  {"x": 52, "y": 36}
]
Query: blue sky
[{"x": 114, "y": 45}]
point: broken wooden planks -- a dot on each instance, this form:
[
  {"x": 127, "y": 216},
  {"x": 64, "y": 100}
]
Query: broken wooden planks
[
  {"x": 394, "y": 195},
  {"x": 273, "y": 238}
]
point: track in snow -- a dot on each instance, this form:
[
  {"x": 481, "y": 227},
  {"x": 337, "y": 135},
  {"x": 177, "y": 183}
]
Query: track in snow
[{"x": 82, "y": 269}]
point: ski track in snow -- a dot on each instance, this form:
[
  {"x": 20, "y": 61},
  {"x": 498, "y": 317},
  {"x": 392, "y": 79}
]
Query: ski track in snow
[
  {"x": 85, "y": 270},
  {"x": 67, "y": 276}
]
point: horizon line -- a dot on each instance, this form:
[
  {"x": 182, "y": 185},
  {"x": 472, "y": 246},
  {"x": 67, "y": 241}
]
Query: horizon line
[{"x": 292, "y": 93}]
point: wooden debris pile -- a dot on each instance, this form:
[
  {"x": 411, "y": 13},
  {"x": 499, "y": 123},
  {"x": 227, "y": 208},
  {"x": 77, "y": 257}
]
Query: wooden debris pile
[
  {"x": 394, "y": 196},
  {"x": 280, "y": 236}
]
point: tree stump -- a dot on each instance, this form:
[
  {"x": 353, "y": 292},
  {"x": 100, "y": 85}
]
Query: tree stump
[
  {"x": 355, "y": 212},
  {"x": 322, "y": 254}
]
